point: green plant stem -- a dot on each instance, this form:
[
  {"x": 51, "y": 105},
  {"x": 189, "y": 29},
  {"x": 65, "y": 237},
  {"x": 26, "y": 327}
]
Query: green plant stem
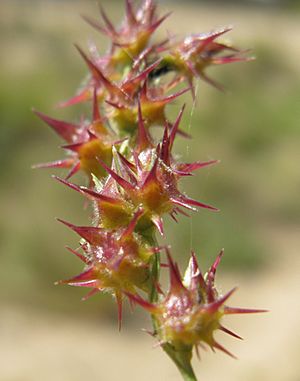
[
  {"x": 182, "y": 355},
  {"x": 182, "y": 359}
]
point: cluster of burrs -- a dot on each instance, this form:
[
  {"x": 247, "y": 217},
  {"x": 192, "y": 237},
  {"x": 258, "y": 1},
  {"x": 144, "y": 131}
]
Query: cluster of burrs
[{"x": 133, "y": 179}]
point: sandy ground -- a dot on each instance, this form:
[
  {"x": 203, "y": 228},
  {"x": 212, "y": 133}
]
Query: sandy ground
[{"x": 35, "y": 346}]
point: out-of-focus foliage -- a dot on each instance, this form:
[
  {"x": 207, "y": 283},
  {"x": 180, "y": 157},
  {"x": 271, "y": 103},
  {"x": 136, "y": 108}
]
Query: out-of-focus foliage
[{"x": 265, "y": 3}]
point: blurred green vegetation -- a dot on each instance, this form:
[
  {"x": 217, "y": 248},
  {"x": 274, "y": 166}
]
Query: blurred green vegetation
[{"x": 253, "y": 130}]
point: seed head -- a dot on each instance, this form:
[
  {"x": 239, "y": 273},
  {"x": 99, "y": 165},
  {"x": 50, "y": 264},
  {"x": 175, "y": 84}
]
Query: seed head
[{"x": 192, "y": 310}]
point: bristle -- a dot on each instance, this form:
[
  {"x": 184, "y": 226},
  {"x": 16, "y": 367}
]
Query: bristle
[
  {"x": 89, "y": 233},
  {"x": 122, "y": 182},
  {"x": 185, "y": 201},
  {"x": 222, "y": 349},
  {"x": 189, "y": 203},
  {"x": 158, "y": 222},
  {"x": 96, "y": 113},
  {"x": 171, "y": 97},
  {"x": 132, "y": 224},
  {"x": 152, "y": 176},
  {"x": 236, "y": 310},
  {"x": 68, "y": 184},
  {"x": 74, "y": 147},
  {"x": 126, "y": 162},
  {"x": 76, "y": 167},
  {"x": 119, "y": 299},
  {"x": 83, "y": 96},
  {"x": 130, "y": 14},
  {"x": 109, "y": 24},
  {"x": 175, "y": 127},
  {"x": 132, "y": 84},
  {"x": 226, "y": 330},
  {"x": 93, "y": 292},
  {"x": 190, "y": 167},
  {"x": 214, "y": 306},
  {"x": 175, "y": 277},
  {"x": 78, "y": 255},
  {"x": 94, "y": 24},
  {"x": 213, "y": 269},
  {"x": 87, "y": 278},
  {"x": 99, "y": 76},
  {"x": 142, "y": 302},
  {"x": 143, "y": 138},
  {"x": 165, "y": 146},
  {"x": 157, "y": 23},
  {"x": 66, "y": 163},
  {"x": 64, "y": 129},
  {"x": 215, "y": 84}
]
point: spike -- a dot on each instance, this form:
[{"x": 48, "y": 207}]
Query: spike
[
  {"x": 115, "y": 105},
  {"x": 90, "y": 294},
  {"x": 165, "y": 147},
  {"x": 130, "y": 15},
  {"x": 180, "y": 173},
  {"x": 94, "y": 24},
  {"x": 74, "y": 170},
  {"x": 119, "y": 299},
  {"x": 210, "y": 81},
  {"x": 91, "y": 234},
  {"x": 130, "y": 228},
  {"x": 79, "y": 255},
  {"x": 157, "y": 24},
  {"x": 85, "y": 279},
  {"x": 143, "y": 138},
  {"x": 144, "y": 92},
  {"x": 193, "y": 275},
  {"x": 64, "y": 129},
  {"x": 213, "y": 269},
  {"x": 74, "y": 147},
  {"x": 142, "y": 302},
  {"x": 226, "y": 330},
  {"x": 175, "y": 127},
  {"x": 197, "y": 352},
  {"x": 214, "y": 306},
  {"x": 96, "y": 113},
  {"x": 122, "y": 182},
  {"x": 171, "y": 97},
  {"x": 207, "y": 38},
  {"x": 190, "y": 167},
  {"x": 89, "y": 192},
  {"x": 130, "y": 85},
  {"x": 175, "y": 278},
  {"x": 221, "y": 348},
  {"x": 236, "y": 310},
  {"x": 128, "y": 168},
  {"x": 172, "y": 214},
  {"x": 107, "y": 21},
  {"x": 230, "y": 59},
  {"x": 188, "y": 203},
  {"x": 182, "y": 212},
  {"x": 67, "y": 183},
  {"x": 66, "y": 163},
  {"x": 158, "y": 222},
  {"x": 126, "y": 163},
  {"x": 98, "y": 75},
  {"x": 151, "y": 176},
  {"x": 81, "y": 97}
]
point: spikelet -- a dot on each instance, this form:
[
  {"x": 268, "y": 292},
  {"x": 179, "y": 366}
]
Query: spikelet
[{"x": 192, "y": 310}]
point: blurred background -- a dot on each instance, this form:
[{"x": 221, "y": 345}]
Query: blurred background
[{"x": 46, "y": 331}]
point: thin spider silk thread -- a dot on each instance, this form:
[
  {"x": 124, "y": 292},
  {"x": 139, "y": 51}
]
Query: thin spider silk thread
[{"x": 188, "y": 152}]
